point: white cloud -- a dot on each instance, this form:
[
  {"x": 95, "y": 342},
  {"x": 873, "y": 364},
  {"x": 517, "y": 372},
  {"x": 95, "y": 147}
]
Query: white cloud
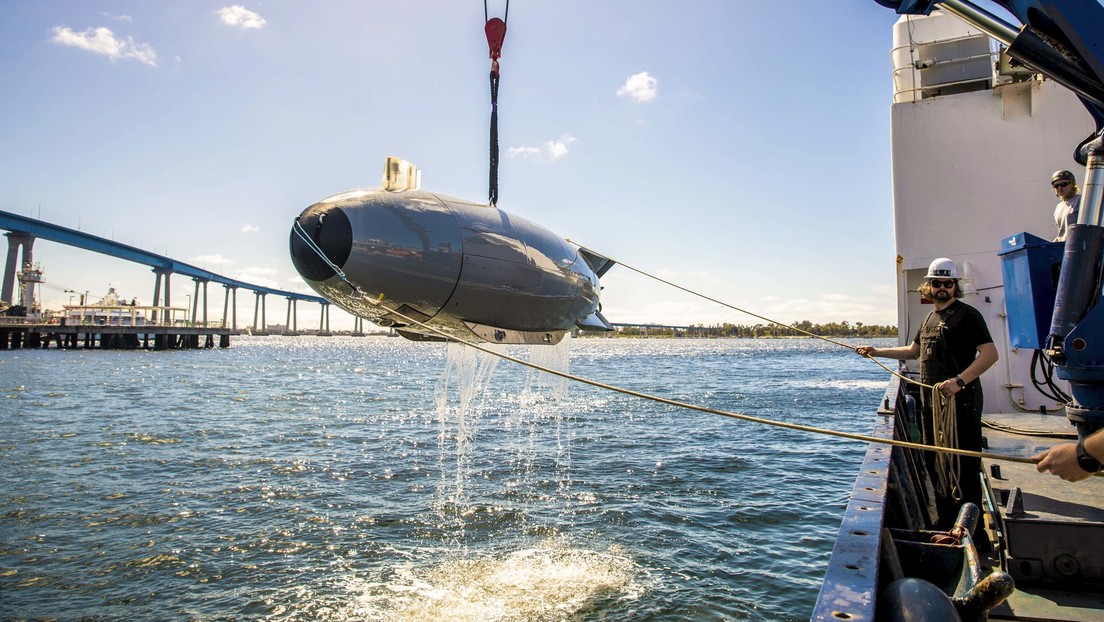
[
  {"x": 299, "y": 286},
  {"x": 102, "y": 41},
  {"x": 250, "y": 228},
  {"x": 558, "y": 148},
  {"x": 525, "y": 152},
  {"x": 640, "y": 87},
  {"x": 262, "y": 281},
  {"x": 121, "y": 18},
  {"x": 259, "y": 276},
  {"x": 211, "y": 260},
  {"x": 240, "y": 17},
  {"x": 553, "y": 149},
  {"x": 254, "y": 274}
]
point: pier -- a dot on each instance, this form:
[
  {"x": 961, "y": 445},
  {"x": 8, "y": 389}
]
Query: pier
[
  {"x": 158, "y": 326},
  {"x": 17, "y": 333}
]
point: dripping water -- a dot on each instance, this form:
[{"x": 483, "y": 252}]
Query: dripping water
[
  {"x": 529, "y": 573},
  {"x": 462, "y": 408}
]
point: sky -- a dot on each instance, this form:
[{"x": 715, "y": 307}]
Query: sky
[{"x": 739, "y": 149}]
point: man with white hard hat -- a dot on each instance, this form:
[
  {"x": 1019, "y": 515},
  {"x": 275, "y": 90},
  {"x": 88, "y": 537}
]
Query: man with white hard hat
[{"x": 954, "y": 348}]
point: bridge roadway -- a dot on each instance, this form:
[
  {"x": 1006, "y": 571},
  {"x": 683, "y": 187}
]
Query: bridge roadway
[{"x": 24, "y": 230}]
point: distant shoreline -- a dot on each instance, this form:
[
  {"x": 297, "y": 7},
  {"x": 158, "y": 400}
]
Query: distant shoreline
[
  {"x": 843, "y": 330},
  {"x": 694, "y": 336},
  {"x": 803, "y": 329}
]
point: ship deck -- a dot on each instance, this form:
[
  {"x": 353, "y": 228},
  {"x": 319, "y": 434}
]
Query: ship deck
[{"x": 1054, "y": 528}]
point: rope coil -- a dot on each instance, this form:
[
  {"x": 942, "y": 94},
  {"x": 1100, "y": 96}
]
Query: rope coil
[{"x": 948, "y": 471}]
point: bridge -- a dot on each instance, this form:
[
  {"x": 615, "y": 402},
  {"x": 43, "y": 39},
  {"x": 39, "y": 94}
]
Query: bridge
[{"x": 23, "y": 231}]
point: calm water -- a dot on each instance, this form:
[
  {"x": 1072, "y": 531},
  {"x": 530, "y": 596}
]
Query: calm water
[{"x": 350, "y": 479}]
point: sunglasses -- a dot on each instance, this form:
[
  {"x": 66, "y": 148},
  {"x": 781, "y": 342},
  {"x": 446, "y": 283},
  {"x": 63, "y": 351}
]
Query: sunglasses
[
  {"x": 1061, "y": 184},
  {"x": 948, "y": 284}
]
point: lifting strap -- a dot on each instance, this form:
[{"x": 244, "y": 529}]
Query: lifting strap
[{"x": 495, "y": 30}]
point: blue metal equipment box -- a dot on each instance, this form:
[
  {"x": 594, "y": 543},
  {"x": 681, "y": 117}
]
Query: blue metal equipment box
[{"x": 1030, "y": 266}]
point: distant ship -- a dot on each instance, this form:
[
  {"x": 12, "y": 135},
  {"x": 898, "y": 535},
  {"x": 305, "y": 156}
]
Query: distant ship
[{"x": 111, "y": 310}]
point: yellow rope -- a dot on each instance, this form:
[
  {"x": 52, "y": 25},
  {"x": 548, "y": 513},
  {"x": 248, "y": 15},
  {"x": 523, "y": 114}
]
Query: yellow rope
[
  {"x": 662, "y": 400},
  {"x": 942, "y": 452},
  {"x": 947, "y": 468},
  {"x": 754, "y": 315},
  {"x": 720, "y": 302},
  {"x": 899, "y": 374},
  {"x": 724, "y": 413}
]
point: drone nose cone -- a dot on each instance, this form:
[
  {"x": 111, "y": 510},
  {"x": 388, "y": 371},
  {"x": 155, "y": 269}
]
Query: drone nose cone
[{"x": 321, "y": 235}]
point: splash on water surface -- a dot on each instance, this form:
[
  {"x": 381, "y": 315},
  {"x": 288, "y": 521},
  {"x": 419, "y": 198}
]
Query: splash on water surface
[{"x": 549, "y": 582}]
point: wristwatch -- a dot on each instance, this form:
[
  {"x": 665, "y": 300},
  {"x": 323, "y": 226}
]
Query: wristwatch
[
  {"x": 1084, "y": 460},
  {"x": 960, "y": 382}
]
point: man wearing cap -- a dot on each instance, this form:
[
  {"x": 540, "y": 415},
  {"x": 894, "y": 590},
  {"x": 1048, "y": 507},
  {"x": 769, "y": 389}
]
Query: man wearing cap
[
  {"x": 1069, "y": 201},
  {"x": 954, "y": 347}
]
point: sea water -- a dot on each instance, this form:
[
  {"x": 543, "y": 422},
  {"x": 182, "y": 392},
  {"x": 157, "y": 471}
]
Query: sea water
[{"x": 373, "y": 478}]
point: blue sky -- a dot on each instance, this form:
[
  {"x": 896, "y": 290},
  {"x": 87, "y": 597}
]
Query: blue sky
[{"x": 737, "y": 148}]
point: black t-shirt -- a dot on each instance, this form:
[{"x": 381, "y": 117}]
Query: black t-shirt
[{"x": 949, "y": 340}]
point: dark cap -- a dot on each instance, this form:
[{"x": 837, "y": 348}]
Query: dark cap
[{"x": 1061, "y": 175}]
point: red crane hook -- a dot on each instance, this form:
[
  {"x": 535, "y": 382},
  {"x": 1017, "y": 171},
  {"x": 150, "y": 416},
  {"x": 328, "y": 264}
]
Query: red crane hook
[{"x": 496, "y": 34}]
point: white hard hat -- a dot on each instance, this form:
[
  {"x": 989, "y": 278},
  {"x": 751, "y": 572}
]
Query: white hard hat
[{"x": 942, "y": 268}]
